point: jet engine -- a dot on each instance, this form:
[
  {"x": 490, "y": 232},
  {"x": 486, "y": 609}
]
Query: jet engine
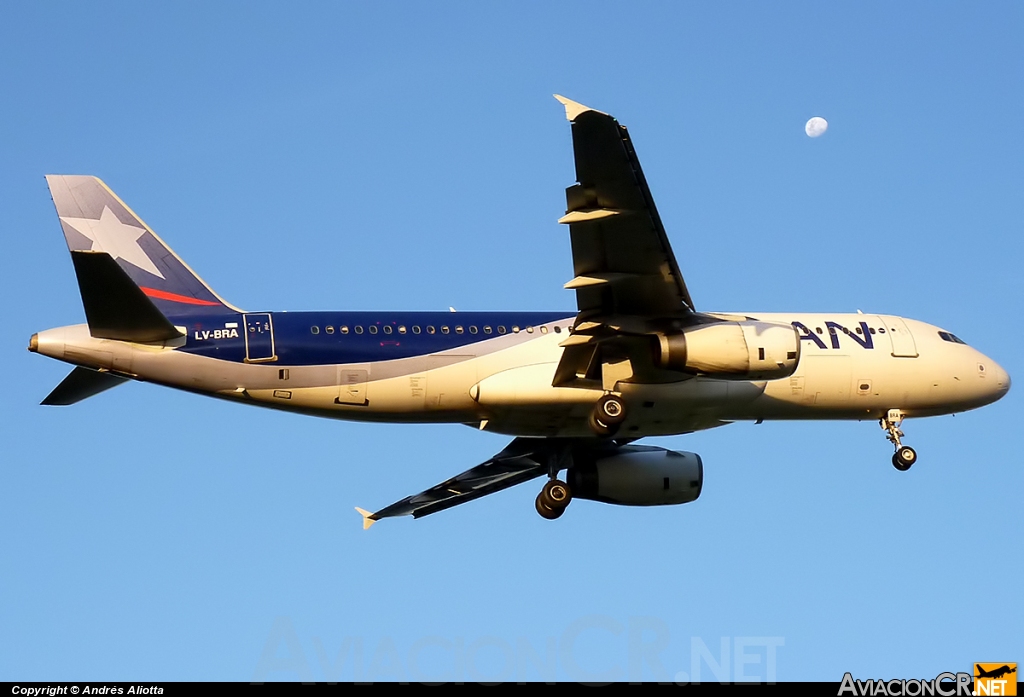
[
  {"x": 746, "y": 350},
  {"x": 638, "y": 475}
]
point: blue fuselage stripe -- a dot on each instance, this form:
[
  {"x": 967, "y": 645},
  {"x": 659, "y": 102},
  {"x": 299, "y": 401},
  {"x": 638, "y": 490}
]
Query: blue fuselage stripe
[{"x": 325, "y": 338}]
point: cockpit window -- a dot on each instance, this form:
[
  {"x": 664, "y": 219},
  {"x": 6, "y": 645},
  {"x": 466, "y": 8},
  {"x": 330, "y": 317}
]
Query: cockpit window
[{"x": 952, "y": 338}]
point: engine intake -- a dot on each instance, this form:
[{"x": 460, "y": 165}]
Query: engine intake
[
  {"x": 747, "y": 350},
  {"x": 638, "y": 475}
]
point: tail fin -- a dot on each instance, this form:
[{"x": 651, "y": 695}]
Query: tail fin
[
  {"x": 115, "y": 307},
  {"x": 94, "y": 219}
]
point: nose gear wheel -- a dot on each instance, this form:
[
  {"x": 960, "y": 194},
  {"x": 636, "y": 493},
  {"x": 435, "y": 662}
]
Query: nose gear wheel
[{"x": 905, "y": 456}]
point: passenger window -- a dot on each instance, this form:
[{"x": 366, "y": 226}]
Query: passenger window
[
  {"x": 818, "y": 329},
  {"x": 459, "y": 330},
  {"x": 415, "y": 329},
  {"x": 373, "y": 329},
  {"x": 558, "y": 330},
  {"x": 472, "y": 329},
  {"x": 444, "y": 329},
  {"x": 487, "y": 329},
  {"x": 529, "y": 330},
  {"x": 315, "y": 330},
  {"x": 387, "y": 328},
  {"x": 329, "y": 329},
  {"x": 859, "y": 330},
  {"x": 832, "y": 331},
  {"x": 343, "y": 329},
  {"x": 881, "y": 330},
  {"x": 401, "y": 329},
  {"x": 871, "y": 329},
  {"x": 430, "y": 330},
  {"x": 515, "y": 328},
  {"x": 501, "y": 329},
  {"x": 543, "y": 330},
  {"x": 359, "y": 329}
]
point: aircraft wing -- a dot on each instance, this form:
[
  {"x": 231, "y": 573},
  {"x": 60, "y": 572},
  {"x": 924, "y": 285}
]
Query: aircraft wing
[
  {"x": 522, "y": 460},
  {"x": 622, "y": 259}
]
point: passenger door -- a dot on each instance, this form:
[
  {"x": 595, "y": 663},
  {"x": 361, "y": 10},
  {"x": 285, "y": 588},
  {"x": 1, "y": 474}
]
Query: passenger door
[
  {"x": 903, "y": 344},
  {"x": 259, "y": 338}
]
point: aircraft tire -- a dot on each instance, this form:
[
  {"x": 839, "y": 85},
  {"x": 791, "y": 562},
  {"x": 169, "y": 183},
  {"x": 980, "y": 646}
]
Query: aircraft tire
[
  {"x": 556, "y": 494},
  {"x": 611, "y": 410},
  {"x": 546, "y": 511},
  {"x": 904, "y": 458},
  {"x": 599, "y": 427}
]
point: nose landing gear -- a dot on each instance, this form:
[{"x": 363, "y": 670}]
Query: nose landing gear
[
  {"x": 553, "y": 499},
  {"x": 905, "y": 456}
]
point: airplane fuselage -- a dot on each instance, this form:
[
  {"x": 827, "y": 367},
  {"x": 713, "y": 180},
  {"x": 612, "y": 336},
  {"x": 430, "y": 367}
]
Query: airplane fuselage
[
  {"x": 636, "y": 358},
  {"x": 495, "y": 370}
]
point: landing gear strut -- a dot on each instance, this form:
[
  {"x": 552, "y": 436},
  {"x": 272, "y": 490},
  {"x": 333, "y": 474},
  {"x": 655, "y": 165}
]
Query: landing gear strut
[
  {"x": 553, "y": 499},
  {"x": 905, "y": 456},
  {"x": 608, "y": 415}
]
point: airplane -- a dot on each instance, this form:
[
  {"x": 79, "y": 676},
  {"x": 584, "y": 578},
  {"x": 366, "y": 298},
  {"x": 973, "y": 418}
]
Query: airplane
[
  {"x": 996, "y": 673},
  {"x": 576, "y": 390}
]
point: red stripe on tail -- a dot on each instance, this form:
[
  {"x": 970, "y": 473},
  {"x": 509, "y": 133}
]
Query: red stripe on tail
[{"x": 174, "y": 297}]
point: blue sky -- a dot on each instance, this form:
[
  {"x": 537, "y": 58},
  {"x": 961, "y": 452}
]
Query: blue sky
[{"x": 410, "y": 156}]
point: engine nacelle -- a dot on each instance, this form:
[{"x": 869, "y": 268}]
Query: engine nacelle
[
  {"x": 746, "y": 350},
  {"x": 638, "y": 475}
]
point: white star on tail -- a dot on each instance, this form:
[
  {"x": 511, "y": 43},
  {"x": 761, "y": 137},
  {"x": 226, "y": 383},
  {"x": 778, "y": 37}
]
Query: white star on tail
[{"x": 110, "y": 235}]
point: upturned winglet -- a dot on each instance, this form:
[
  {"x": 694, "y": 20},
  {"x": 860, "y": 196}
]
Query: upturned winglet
[
  {"x": 368, "y": 518},
  {"x": 573, "y": 109}
]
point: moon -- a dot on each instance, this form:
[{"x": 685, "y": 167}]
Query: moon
[{"x": 815, "y": 127}]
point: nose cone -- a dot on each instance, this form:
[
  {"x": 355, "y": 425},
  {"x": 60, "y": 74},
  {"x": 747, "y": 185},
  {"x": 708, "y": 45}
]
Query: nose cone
[
  {"x": 978, "y": 381},
  {"x": 1002, "y": 380},
  {"x": 992, "y": 383}
]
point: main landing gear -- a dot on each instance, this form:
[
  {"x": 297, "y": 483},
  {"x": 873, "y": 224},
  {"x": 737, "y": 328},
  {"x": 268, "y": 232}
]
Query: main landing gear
[
  {"x": 905, "y": 456},
  {"x": 607, "y": 416},
  {"x": 553, "y": 499}
]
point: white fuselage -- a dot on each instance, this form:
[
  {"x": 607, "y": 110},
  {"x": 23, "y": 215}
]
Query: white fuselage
[{"x": 851, "y": 366}]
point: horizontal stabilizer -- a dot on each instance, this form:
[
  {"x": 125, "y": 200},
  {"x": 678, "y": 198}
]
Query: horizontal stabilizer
[
  {"x": 115, "y": 307},
  {"x": 81, "y": 383}
]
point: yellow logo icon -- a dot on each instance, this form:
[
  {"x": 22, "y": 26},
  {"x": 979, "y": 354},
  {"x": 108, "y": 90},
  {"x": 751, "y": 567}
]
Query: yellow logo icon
[{"x": 995, "y": 679}]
